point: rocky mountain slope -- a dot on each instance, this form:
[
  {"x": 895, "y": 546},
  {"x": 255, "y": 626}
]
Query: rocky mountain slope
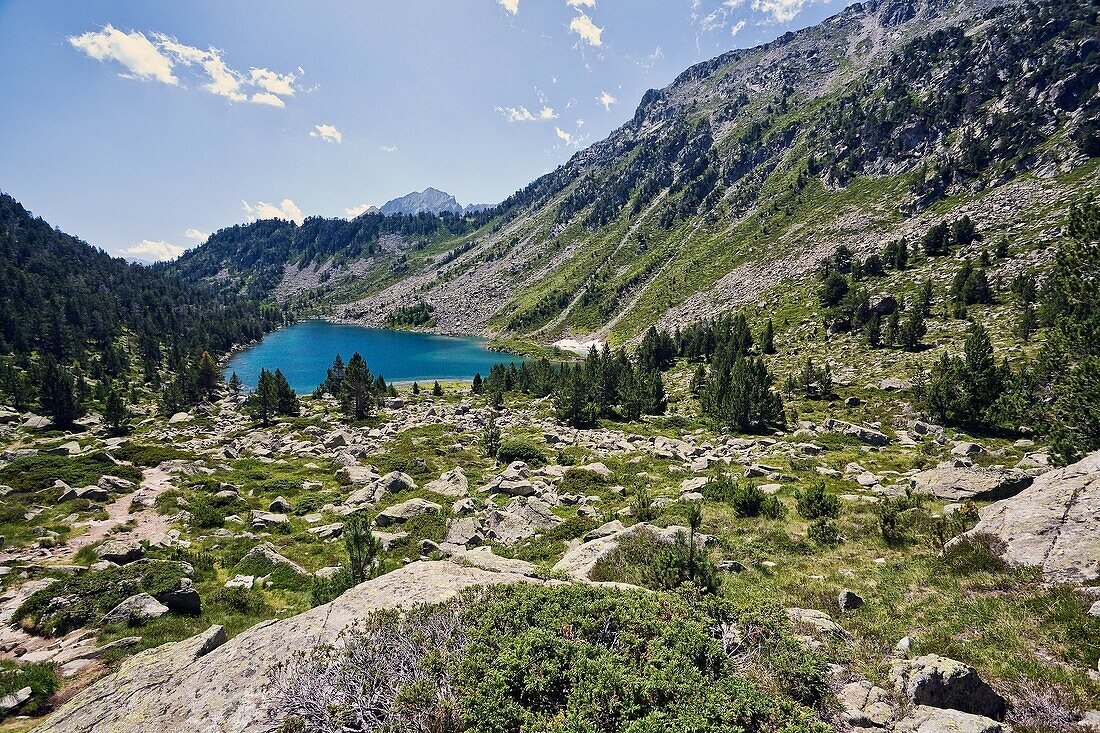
[{"x": 739, "y": 176}]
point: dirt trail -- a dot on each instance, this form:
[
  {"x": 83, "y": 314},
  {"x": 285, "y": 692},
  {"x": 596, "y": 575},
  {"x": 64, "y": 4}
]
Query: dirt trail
[{"x": 147, "y": 523}]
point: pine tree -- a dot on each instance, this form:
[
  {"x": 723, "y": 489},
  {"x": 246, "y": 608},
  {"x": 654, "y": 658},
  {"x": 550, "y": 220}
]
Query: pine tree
[
  {"x": 235, "y": 385},
  {"x": 767, "y": 338},
  {"x": 924, "y": 300},
  {"x": 937, "y": 240},
  {"x": 576, "y": 403},
  {"x": 738, "y": 396},
  {"x": 116, "y": 413},
  {"x": 654, "y": 391},
  {"x": 286, "y": 401},
  {"x": 872, "y": 332},
  {"x": 912, "y": 331},
  {"x": 363, "y": 548},
  {"x": 901, "y": 255},
  {"x": 358, "y": 392},
  {"x": 490, "y": 437},
  {"x": 437, "y": 390},
  {"x": 893, "y": 328},
  {"x": 59, "y": 393},
  {"x": 632, "y": 397},
  {"x": 208, "y": 376},
  {"x": 1074, "y": 352},
  {"x": 264, "y": 402},
  {"x": 698, "y": 380},
  {"x": 477, "y": 384},
  {"x": 334, "y": 379}
]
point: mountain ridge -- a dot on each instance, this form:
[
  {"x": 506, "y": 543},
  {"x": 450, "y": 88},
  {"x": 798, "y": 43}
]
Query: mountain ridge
[{"x": 743, "y": 172}]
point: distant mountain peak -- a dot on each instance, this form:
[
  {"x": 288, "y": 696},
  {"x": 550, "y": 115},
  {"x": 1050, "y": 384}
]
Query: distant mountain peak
[{"x": 430, "y": 200}]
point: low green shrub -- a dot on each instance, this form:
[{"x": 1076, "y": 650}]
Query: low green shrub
[
  {"x": 581, "y": 481},
  {"x": 41, "y": 678},
  {"x": 824, "y": 531},
  {"x": 573, "y": 658},
  {"x": 148, "y": 456},
  {"x": 976, "y": 553},
  {"x": 512, "y": 449},
  {"x": 282, "y": 486},
  {"x": 34, "y": 473},
  {"x": 83, "y": 599},
  {"x": 247, "y": 601},
  {"x": 814, "y": 502}
]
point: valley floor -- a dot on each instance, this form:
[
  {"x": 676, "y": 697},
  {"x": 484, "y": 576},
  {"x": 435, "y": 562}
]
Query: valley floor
[{"x": 256, "y": 513}]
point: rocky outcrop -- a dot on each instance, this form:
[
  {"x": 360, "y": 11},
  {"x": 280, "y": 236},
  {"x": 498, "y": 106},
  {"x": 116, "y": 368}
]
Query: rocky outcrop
[
  {"x": 863, "y": 434},
  {"x": 120, "y": 552},
  {"x": 452, "y": 483},
  {"x": 135, "y": 610},
  {"x": 208, "y": 684},
  {"x": 959, "y": 483},
  {"x": 406, "y": 510},
  {"x": 945, "y": 683},
  {"x": 925, "y": 719},
  {"x": 1052, "y": 524}
]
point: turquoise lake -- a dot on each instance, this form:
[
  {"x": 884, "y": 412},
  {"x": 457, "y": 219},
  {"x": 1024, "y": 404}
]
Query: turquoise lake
[{"x": 305, "y": 351}]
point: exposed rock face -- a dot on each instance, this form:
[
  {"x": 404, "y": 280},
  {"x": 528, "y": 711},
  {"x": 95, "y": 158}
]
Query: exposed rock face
[
  {"x": 1053, "y": 523},
  {"x": 265, "y": 555},
  {"x": 860, "y": 433},
  {"x": 970, "y": 482},
  {"x": 207, "y": 684},
  {"x": 120, "y": 552},
  {"x": 519, "y": 519},
  {"x": 136, "y": 609},
  {"x": 925, "y": 719},
  {"x": 865, "y": 705},
  {"x": 945, "y": 683},
  {"x": 406, "y": 510},
  {"x": 452, "y": 483}
]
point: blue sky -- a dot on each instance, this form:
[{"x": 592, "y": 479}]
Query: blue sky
[{"x": 143, "y": 127}]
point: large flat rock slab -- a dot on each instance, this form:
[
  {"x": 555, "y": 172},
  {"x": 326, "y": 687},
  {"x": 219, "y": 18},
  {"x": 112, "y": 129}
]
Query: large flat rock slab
[
  {"x": 959, "y": 483},
  {"x": 1054, "y": 524},
  {"x": 208, "y": 684}
]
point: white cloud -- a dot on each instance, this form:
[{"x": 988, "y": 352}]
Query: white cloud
[
  {"x": 512, "y": 6},
  {"x": 583, "y": 26},
  {"x": 267, "y": 98},
  {"x": 133, "y": 50},
  {"x": 287, "y": 210},
  {"x": 273, "y": 81},
  {"x": 159, "y": 58},
  {"x": 782, "y": 11},
  {"x": 147, "y": 249},
  {"x": 578, "y": 3},
  {"x": 355, "y": 211},
  {"x": 224, "y": 81},
  {"x": 580, "y": 123},
  {"x": 567, "y": 138},
  {"x": 196, "y": 235},
  {"x": 606, "y": 100},
  {"x": 717, "y": 18},
  {"x": 388, "y": 148},
  {"x": 737, "y": 27},
  {"x": 522, "y": 114},
  {"x": 328, "y": 133}
]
